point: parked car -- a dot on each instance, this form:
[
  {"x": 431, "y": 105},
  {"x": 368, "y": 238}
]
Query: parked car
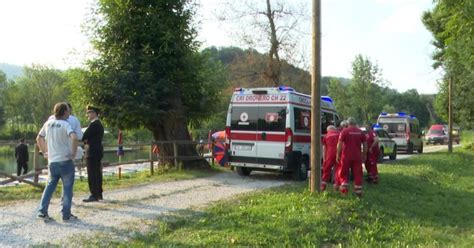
[
  {"x": 387, "y": 145},
  {"x": 439, "y": 133}
]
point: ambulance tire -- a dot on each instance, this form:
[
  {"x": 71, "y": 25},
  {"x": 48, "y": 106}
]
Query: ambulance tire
[
  {"x": 380, "y": 158},
  {"x": 410, "y": 148},
  {"x": 393, "y": 156},
  {"x": 242, "y": 171},
  {"x": 301, "y": 171},
  {"x": 420, "y": 150}
]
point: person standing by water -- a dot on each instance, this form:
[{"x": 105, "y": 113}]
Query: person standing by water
[
  {"x": 22, "y": 157},
  {"x": 58, "y": 143},
  {"x": 94, "y": 152}
]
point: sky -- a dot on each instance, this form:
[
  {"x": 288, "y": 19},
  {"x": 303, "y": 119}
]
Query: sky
[{"x": 388, "y": 32}]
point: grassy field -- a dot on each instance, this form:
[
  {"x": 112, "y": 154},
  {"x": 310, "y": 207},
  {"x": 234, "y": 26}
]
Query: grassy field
[
  {"x": 424, "y": 201},
  {"x": 25, "y": 192}
]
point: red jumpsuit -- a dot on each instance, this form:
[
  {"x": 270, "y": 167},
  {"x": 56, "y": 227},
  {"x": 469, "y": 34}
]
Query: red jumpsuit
[
  {"x": 351, "y": 139},
  {"x": 330, "y": 151},
  {"x": 372, "y": 157}
]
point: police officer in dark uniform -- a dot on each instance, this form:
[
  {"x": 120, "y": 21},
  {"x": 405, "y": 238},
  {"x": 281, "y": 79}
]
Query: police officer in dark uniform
[
  {"x": 94, "y": 152},
  {"x": 21, "y": 155}
]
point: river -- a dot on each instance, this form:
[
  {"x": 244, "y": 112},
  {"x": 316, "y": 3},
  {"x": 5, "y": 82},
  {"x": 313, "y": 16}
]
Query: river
[{"x": 8, "y": 163}]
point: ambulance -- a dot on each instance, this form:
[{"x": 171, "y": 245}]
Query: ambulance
[
  {"x": 404, "y": 129},
  {"x": 269, "y": 129}
]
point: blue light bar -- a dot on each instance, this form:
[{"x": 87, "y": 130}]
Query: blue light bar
[
  {"x": 285, "y": 88},
  {"x": 326, "y": 98},
  {"x": 412, "y": 116},
  {"x": 376, "y": 126},
  {"x": 383, "y": 113},
  {"x": 402, "y": 114}
]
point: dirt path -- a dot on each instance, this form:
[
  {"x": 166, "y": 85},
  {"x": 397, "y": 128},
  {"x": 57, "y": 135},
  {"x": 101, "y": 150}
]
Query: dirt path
[{"x": 122, "y": 209}]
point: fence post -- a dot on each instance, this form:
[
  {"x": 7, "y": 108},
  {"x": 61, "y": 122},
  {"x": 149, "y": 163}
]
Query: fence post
[
  {"x": 212, "y": 152},
  {"x": 175, "y": 154},
  {"x": 151, "y": 160},
  {"x": 35, "y": 163}
]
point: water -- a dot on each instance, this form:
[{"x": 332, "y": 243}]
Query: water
[{"x": 8, "y": 162}]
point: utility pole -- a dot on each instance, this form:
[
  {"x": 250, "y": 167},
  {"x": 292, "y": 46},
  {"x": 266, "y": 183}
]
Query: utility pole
[
  {"x": 315, "y": 179},
  {"x": 450, "y": 115}
]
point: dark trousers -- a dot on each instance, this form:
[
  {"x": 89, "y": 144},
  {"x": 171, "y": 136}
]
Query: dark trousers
[
  {"x": 21, "y": 165},
  {"x": 94, "y": 176}
]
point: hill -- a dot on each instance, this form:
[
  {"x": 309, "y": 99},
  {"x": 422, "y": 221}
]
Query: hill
[
  {"x": 12, "y": 71},
  {"x": 245, "y": 69}
]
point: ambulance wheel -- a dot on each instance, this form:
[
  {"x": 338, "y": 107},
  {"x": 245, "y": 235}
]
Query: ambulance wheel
[
  {"x": 393, "y": 156},
  {"x": 301, "y": 171},
  {"x": 420, "y": 150},
  {"x": 380, "y": 158},
  {"x": 242, "y": 171},
  {"x": 410, "y": 148}
]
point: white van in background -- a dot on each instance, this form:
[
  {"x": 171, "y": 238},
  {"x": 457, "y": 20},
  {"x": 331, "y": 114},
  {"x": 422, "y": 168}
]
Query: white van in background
[
  {"x": 268, "y": 129},
  {"x": 404, "y": 130}
]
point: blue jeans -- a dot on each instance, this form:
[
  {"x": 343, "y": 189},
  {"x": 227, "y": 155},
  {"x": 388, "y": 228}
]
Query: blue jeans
[{"x": 63, "y": 170}]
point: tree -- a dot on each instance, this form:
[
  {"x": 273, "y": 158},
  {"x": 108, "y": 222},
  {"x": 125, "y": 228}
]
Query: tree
[
  {"x": 271, "y": 26},
  {"x": 452, "y": 24},
  {"x": 148, "y": 72},
  {"x": 3, "y": 86},
  {"x": 34, "y": 94},
  {"x": 340, "y": 94},
  {"x": 365, "y": 89}
]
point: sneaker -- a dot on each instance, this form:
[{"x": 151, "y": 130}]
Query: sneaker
[
  {"x": 70, "y": 218},
  {"x": 44, "y": 217}
]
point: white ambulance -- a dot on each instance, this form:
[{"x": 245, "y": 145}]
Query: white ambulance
[
  {"x": 404, "y": 129},
  {"x": 268, "y": 129}
]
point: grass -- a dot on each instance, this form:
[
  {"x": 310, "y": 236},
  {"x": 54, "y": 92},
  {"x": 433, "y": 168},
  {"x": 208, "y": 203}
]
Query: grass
[
  {"x": 25, "y": 192},
  {"x": 424, "y": 201}
]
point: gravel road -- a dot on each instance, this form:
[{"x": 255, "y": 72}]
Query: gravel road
[{"x": 122, "y": 209}]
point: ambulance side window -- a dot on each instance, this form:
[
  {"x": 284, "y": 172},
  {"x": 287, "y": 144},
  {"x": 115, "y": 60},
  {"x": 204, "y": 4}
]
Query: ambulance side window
[
  {"x": 244, "y": 118},
  {"x": 271, "y": 119},
  {"x": 337, "y": 121},
  {"x": 302, "y": 119},
  {"x": 326, "y": 120}
]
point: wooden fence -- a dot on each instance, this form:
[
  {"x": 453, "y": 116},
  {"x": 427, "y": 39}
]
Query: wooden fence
[{"x": 151, "y": 159}]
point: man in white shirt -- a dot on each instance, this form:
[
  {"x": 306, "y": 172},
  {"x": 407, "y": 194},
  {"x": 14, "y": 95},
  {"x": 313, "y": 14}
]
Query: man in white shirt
[{"x": 58, "y": 142}]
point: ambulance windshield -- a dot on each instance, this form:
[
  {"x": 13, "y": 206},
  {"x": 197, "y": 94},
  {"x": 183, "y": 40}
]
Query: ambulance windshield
[
  {"x": 258, "y": 118},
  {"x": 393, "y": 127}
]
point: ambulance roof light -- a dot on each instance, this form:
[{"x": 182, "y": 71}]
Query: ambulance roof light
[
  {"x": 402, "y": 114},
  {"x": 326, "y": 98},
  {"x": 384, "y": 113},
  {"x": 412, "y": 116},
  {"x": 285, "y": 88}
]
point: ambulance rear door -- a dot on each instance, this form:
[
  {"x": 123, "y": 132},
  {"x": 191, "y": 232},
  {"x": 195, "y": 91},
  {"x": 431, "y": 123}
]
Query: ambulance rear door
[
  {"x": 271, "y": 134},
  {"x": 244, "y": 133}
]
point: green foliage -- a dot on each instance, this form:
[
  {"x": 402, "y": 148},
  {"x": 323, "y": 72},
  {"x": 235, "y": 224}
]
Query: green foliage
[
  {"x": 366, "y": 96},
  {"x": 452, "y": 24},
  {"x": 148, "y": 68},
  {"x": 424, "y": 201},
  {"x": 30, "y": 98},
  {"x": 366, "y": 78}
]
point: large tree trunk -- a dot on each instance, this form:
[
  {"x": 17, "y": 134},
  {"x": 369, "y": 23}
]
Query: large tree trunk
[{"x": 173, "y": 127}]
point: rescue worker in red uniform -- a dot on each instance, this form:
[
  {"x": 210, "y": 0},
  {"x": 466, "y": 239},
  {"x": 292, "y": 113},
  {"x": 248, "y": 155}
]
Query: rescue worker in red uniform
[
  {"x": 372, "y": 155},
  {"x": 349, "y": 149},
  {"x": 330, "y": 148},
  {"x": 337, "y": 170}
]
